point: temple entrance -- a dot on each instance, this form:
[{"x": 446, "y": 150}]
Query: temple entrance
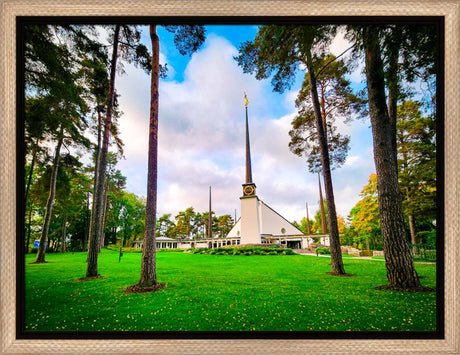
[{"x": 294, "y": 244}]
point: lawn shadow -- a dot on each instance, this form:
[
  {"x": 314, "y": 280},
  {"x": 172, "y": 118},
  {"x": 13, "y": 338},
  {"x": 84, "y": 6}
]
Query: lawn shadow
[
  {"x": 144, "y": 289},
  {"x": 90, "y": 278},
  {"x": 411, "y": 289},
  {"x": 340, "y": 275}
]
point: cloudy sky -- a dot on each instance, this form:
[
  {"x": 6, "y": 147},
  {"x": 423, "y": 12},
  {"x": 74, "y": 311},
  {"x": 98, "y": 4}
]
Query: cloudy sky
[{"x": 201, "y": 133}]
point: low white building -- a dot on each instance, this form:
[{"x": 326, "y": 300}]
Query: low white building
[{"x": 161, "y": 243}]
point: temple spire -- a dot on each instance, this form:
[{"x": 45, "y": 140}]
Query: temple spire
[
  {"x": 249, "y": 188},
  {"x": 248, "y": 148}
]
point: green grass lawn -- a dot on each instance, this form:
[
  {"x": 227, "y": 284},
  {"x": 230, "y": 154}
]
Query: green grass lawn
[{"x": 216, "y": 292}]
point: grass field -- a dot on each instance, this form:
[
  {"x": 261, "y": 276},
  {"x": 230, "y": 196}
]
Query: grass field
[{"x": 215, "y": 292}]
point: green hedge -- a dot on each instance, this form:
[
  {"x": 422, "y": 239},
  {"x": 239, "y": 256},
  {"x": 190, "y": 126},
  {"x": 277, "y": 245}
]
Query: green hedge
[
  {"x": 322, "y": 250},
  {"x": 125, "y": 249},
  {"x": 243, "y": 250},
  {"x": 367, "y": 253},
  {"x": 139, "y": 250}
]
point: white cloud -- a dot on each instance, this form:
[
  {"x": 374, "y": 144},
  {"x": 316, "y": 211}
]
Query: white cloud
[
  {"x": 201, "y": 140},
  {"x": 339, "y": 45}
]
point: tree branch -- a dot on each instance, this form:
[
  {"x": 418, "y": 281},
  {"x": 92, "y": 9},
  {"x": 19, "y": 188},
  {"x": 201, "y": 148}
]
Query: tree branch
[{"x": 341, "y": 54}]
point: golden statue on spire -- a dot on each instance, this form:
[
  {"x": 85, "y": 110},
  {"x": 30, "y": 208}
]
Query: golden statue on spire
[{"x": 245, "y": 101}]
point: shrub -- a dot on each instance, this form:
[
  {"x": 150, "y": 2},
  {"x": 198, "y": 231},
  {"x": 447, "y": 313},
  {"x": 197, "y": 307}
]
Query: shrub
[
  {"x": 34, "y": 251},
  {"x": 132, "y": 250},
  {"x": 367, "y": 252},
  {"x": 289, "y": 252},
  {"x": 323, "y": 250},
  {"x": 112, "y": 247},
  {"x": 241, "y": 250}
]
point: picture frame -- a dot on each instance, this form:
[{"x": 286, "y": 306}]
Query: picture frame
[{"x": 12, "y": 9}]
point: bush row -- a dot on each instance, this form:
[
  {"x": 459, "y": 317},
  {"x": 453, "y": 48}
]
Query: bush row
[
  {"x": 322, "y": 250},
  {"x": 125, "y": 249},
  {"x": 139, "y": 250},
  {"x": 242, "y": 250}
]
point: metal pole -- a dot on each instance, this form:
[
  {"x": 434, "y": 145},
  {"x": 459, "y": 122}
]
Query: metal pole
[
  {"x": 121, "y": 244},
  {"x": 210, "y": 216}
]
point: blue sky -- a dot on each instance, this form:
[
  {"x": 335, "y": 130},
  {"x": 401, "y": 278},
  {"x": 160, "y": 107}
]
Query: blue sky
[{"x": 201, "y": 133}]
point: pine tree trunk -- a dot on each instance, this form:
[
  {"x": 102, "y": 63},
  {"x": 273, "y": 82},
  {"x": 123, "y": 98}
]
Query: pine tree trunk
[
  {"x": 148, "y": 266},
  {"x": 96, "y": 212},
  {"x": 336, "y": 252},
  {"x": 393, "y": 94},
  {"x": 32, "y": 165},
  {"x": 49, "y": 204},
  {"x": 29, "y": 228},
  {"x": 413, "y": 237},
  {"x": 411, "y": 222},
  {"x": 400, "y": 268},
  {"x": 63, "y": 232},
  {"x": 321, "y": 206},
  {"x": 84, "y": 246},
  {"x": 104, "y": 213}
]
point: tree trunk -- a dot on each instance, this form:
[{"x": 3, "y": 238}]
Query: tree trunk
[
  {"x": 49, "y": 204},
  {"x": 413, "y": 237},
  {"x": 96, "y": 212},
  {"x": 393, "y": 94},
  {"x": 29, "y": 179},
  {"x": 104, "y": 213},
  {"x": 63, "y": 232},
  {"x": 148, "y": 266},
  {"x": 86, "y": 228},
  {"x": 336, "y": 253},
  {"x": 411, "y": 222},
  {"x": 321, "y": 206},
  {"x": 29, "y": 227},
  {"x": 400, "y": 268}
]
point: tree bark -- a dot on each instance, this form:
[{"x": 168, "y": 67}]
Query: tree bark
[
  {"x": 321, "y": 206},
  {"x": 148, "y": 265},
  {"x": 336, "y": 253},
  {"x": 96, "y": 212},
  {"x": 29, "y": 227},
  {"x": 411, "y": 222},
  {"x": 400, "y": 268},
  {"x": 413, "y": 237},
  {"x": 104, "y": 213},
  {"x": 49, "y": 204},
  {"x": 393, "y": 94},
  {"x": 63, "y": 232},
  {"x": 32, "y": 165}
]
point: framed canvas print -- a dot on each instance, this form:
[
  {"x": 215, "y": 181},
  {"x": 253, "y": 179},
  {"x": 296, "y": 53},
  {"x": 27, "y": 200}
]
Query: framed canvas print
[{"x": 236, "y": 177}]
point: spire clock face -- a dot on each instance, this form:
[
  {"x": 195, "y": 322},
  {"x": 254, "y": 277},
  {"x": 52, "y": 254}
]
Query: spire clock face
[{"x": 248, "y": 190}]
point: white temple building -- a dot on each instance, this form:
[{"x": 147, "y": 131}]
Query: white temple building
[{"x": 258, "y": 224}]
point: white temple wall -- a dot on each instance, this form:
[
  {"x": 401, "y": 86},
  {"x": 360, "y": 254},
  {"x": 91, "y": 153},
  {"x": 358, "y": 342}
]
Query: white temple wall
[
  {"x": 250, "y": 220},
  {"x": 273, "y": 223}
]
